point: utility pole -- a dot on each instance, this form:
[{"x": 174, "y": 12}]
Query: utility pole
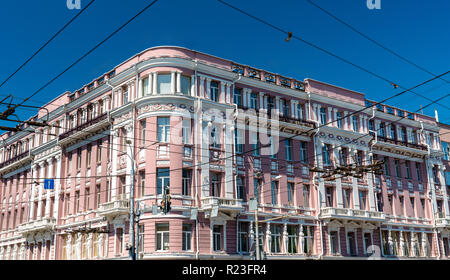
[
  {"x": 132, "y": 255},
  {"x": 138, "y": 215}
]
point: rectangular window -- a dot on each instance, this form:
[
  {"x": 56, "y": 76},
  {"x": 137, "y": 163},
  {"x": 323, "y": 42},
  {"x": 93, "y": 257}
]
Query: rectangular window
[
  {"x": 323, "y": 116},
  {"x": 163, "y": 179},
  {"x": 164, "y": 83},
  {"x": 397, "y": 167},
  {"x": 346, "y": 195},
  {"x": 185, "y": 85},
  {"x": 240, "y": 188},
  {"x": 386, "y": 166},
  {"x": 274, "y": 192},
  {"x": 87, "y": 199},
  {"x": 330, "y": 198},
  {"x": 162, "y": 237},
  {"x": 326, "y": 155},
  {"x": 288, "y": 149},
  {"x": 77, "y": 201},
  {"x": 141, "y": 239},
  {"x": 187, "y": 237},
  {"x": 186, "y": 131},
  {"x": 143, "y": 125},
  {"x": 351, "y": 238},
  {"x": 339, "y": 119},
  {"x": 119, "y": 241},
  {"x": 187, "y": 181},
  {"x": 334, "y": 245},
  {"x": 362, "y": 200},
  {"x": 392, "y": 131},
  {"x": 275, "y": 232},
  {"x": 99, "y": 151},
  {"x": 145, "y": 82},
  {"x": 243, "y": 237},
  {"x": 290, "y": 188},
  {"x": 215, "y": 184},
  {"x": 355, "y": 123},
  {"x": 237, "y": 97},
  {"x": 214, "y": 91},
  {"x": 98, "y": 194},
  {"x": 164, "y": 129},
  {"x": 367, "y": 242},
  {"x": 306, "y": 196},
  {"x": 408, "y": 171},
  {"x": 78, "y": 158},
  {"x": 292, "y": 239},
  {"x": 308, "y": 233},
  {"x": 253, "y": 101},
  {"x": 217, "y": 238},
  {"x": 239, "y": 141},
  {"x": 303, "y": 152},
  {"x": 142, "y": 183},
  {"x": 89, "y": 155}
]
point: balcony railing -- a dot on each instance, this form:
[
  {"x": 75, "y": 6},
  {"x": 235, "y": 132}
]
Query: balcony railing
[
  {"x": 403, "y": 143},
  {"x": 114, "y": 208},
  {"x": 350, "y": 214},
  {"x": 83, "y": 126},
  {"x": 43, "y": 224},
  {"x": 15, "y": 159},
  {"x": 223, "y": 203}
]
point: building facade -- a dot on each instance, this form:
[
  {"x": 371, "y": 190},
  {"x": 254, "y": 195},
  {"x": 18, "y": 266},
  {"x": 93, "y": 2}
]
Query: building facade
[{"x": 219, "y": 134}]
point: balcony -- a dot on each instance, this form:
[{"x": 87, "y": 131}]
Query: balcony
[
  {"x": 352, "y": 214},
  {"x": 114, "y": 208},
  {"x": 84, "y": 130},
  {"x": 16, "y": 162},
  {"x": 227, "y": 205},
  {"x": 442, "y": 221},
  {"x": 41, "y": 225},
  {"x": 402, "y": 143}
]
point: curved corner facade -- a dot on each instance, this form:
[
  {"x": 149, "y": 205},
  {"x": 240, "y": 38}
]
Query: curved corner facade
[{"x": 218, "y": 134}]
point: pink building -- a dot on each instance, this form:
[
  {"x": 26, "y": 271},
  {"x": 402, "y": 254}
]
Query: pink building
[{"x": 220, "y": 134}]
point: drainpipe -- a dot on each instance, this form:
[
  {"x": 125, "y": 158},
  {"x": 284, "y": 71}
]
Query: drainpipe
[
  {"x": 314, "y": 183},
  {"x": 371, "y": 153},
  {"x": 196, "y": 160}
]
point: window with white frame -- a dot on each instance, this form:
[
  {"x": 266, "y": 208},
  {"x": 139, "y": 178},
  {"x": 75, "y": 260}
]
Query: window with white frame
[
  {"x": 274, "y": 192},
  {"x": 323, "y": 116},
  {"x": 214, "y": 91},
  {"x": 187, "y": 237},
  {"x": 143, "y": 124},
  {"x": 215, "y": 184},
  {"x": 351, "y": 243},
  {"x": 164, "y": 83},
  {"x": 237, "y": 97},
  {"x": 329, "y": 196},
  {"x": 303, "y": 152},
  {"x": 299, "y": 111},
  {"x": 255, "y": 144},
  {"x": 275, "y": 232},
  {"x": 163, "y": 179},
  {"x": 145, "y": 83},
  {"x": 119, "y": 241},
  {"x": 326, "y": 155},
  {"x": 240, "y": 187},
  {"x": 257, "y": 188},
  {"x": 239, "y": 141},
  {"x": 292, "y": 231},
  {"x": 288, "y": 149},
  {"x": 162, "y": 237},
  {"x": 253, "y": 101},
  {"x": 163, "y": 129},
  {"x": 185, "y": 85},
  {"x": 308, "y": 235},
  {"x": 243, "y": 238},
  {"x": 306, "y": 196},
  {"x": 363, "y": 200},
  {"x": 186, "y": 131},
  {"x": 355, "y": 123},
  {"x": 187, "y": 182},
  {"x": 291, "y": 193},
  {"x": 141, "y": 238},
  {"x": 367, "y": 237},
  {"x": 346, "y": 193},
  {"x": 334, "y": 242},
  {"x": 217, "y": 237}
]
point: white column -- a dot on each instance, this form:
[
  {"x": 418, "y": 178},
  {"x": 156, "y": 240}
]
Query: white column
[
  {"x": 444, "y": 190},
  {"x": 173, "y": 82},
  {"x": 155, "y": 83},
  {"x": 244, "y": 97},
  {"x": 202, "y": 87},
  {"x": 193, "y": 85},
  {"x": 371, "y": 192},
  {"x": 33, "y": 192},
  {"x": 330, "y": 118},
  {"x": 293, "y": 111},
  {"x": 208, "y": 88},
  {"x": 41, "y": 187},
  {"x": 222, "y": 92},
  {"x": 354, "y": 183},
  {"x": 361, "y": 124},
  {"x": 261, "y": 100},
  {"x": 141, "y": 88},
  {"x": 150, "y": 84},
  {"x": 178, "y": 82},
  {"x": 335, "y": 111}
]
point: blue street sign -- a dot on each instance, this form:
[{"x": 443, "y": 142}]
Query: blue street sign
[{"x": 49, "y": 184}]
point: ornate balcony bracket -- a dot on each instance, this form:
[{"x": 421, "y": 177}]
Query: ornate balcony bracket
[
  {"x": 228, "y": 206},
  {"x": 85, "y": 130},
  {"x": 113, "y": 209}
]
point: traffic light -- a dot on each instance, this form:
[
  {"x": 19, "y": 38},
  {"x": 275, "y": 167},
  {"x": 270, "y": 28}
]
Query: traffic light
[{"x": 165, "y": 203}]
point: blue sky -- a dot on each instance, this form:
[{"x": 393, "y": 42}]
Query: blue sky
[{"x": 418, "y": 30}]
